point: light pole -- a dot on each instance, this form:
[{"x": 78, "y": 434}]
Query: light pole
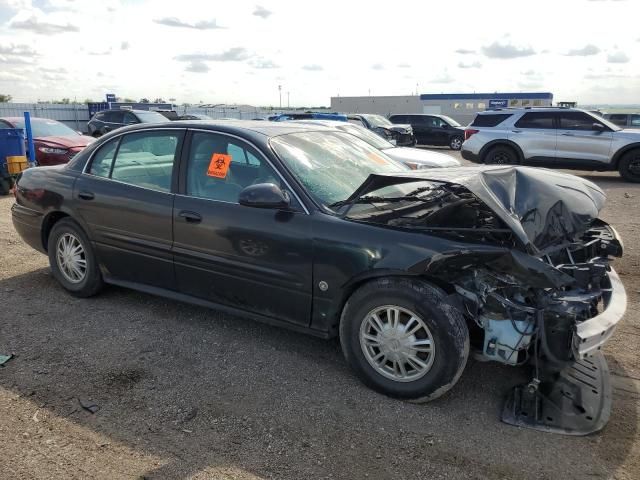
[
  {"x": 288, "y": 105},
  {"x": 280, "y": 95}
]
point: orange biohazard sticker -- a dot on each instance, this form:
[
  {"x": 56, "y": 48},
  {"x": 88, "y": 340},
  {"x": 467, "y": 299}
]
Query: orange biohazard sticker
[
  {"x": 377, "y": 159},
  {"x": 219, "y": 165}
]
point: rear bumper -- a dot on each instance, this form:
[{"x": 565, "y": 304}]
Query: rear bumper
[
  {"x": 472, "y": 157},
  {"x": 28, "y": 224},
  {"x": 591, "y": 334}
]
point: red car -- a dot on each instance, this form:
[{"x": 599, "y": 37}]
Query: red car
[{"x": 55, "y": 143}]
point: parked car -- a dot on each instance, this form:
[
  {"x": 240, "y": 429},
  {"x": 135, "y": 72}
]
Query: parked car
[
  {"x": 108, "y": 120},
  {"x": 401, "y": 135},
  {"x": 168, "y": 114},
  {"x": 624, "y": 120},
  {"x": 414, "y": 158},
  {"x": 54, "y": 142},
  {"x": 195, "y": 116},
  {"x": 438, "y": 130},
  {"x": 555, "y": 137},
  {"x": 314, "y": 229},
  {"x": 285, "y": 117}
]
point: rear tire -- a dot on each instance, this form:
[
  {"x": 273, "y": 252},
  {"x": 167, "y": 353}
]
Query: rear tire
[
  {"x": 432, "y": 357},
  {"x": 501, "y": 155},
  {"x": 72, "y": 259},
  {"x": 629, "y": 167},
  {"x": 456, "y": 143}
]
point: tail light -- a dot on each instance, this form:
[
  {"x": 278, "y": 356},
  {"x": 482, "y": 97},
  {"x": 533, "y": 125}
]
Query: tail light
[{"x": 469, "y": 132}]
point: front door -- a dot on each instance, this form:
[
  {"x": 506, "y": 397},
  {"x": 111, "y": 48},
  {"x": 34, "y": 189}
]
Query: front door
[
  {"x": 257, "y": 260},
  {"x": 578, "y": 142},
  {"x": 125, "y": 201}
]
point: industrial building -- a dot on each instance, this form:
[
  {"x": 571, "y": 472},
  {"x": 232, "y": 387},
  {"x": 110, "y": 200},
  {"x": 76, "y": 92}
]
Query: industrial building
[{"x": 459, "y": 106}]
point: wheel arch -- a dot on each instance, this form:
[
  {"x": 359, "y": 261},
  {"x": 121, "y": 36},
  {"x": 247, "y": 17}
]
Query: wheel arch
[
  {"x": 356, "y": 283},
  {"x": 50, "y": 219},
  {"x": 502, "y": 141},
  {"x": 615, "y": 161}
]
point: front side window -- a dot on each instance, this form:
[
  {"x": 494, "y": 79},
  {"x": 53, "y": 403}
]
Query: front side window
[
  {"x": 146, "y": 159},
  {"x": 536, "y": 120},
  {"x": 576, "y": 121},
  {"x": 331, "y": 165},
  {"x": 220, "y": 167}
]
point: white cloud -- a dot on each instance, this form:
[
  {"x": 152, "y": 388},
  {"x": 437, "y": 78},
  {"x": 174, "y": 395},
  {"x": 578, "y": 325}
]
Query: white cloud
[
  {"x": 585, "y": 51},
  {"x": 262, "y": 12},
  {"x": 199, "y": 25},
  {"x": 506, "y": 51},
  {"x": 617, "y": 57}
]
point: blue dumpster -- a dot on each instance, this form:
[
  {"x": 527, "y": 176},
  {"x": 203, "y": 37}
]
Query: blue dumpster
[{"x": 12, "y": 156}]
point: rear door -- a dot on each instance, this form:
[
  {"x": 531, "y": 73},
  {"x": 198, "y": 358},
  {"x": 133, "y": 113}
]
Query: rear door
[
  {"x": 125, "y": 199},
  {"x": 578, "y": 142},
  {"x": 257, "y": 260},
  {"x": 536, "y": 135},
  {"x": 421, "y": 128}
]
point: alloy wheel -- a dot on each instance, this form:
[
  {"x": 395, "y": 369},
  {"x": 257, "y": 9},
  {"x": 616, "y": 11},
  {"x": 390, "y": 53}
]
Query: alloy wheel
[
  {"x": 71, "y": 258},
  {"x": 397, "y": 343}
]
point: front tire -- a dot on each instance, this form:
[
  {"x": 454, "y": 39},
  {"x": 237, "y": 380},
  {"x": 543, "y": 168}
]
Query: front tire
[
  {"x": 72, "y": 260},
  {"x": 455, "y": 143},
  {"x": 629, "y": 167},
  {"x": 404, "y": 339}
]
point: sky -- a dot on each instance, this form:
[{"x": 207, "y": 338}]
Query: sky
[{"x": 241, "y": 51}]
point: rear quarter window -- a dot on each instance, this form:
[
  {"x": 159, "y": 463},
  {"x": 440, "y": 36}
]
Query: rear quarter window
[{"x": 490, "y": 120}]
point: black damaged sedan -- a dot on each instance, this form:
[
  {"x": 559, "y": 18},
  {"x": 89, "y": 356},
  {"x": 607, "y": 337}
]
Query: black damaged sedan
[{"x": 320, "y": 232}]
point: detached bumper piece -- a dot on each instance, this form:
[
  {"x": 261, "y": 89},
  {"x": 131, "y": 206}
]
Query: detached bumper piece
[{"x": 575, "y": 401}]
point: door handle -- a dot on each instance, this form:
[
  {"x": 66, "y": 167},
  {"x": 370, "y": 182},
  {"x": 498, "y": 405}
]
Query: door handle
[
  {"x": 566, "y": 134},
  {"x": 190, "y": 217},
  {"x": 516, "y": 131},
  {"x": 84, "y": 195}
]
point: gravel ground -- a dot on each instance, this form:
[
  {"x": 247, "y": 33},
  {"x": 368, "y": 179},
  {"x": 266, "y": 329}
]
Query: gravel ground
[{"x": 185, "y": 392}]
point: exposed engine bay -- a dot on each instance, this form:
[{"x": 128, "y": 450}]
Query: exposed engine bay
[{"x": 532, "y": 276}]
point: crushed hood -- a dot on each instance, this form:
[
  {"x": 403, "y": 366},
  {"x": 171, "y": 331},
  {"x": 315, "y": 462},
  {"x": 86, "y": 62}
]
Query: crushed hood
[{"x": 542, "y": 207}]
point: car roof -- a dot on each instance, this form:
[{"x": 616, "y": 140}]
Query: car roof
[
  {"x": 21, "y": 119},
  {"x": 531, "y": 109},
  {"x": 269, "y": 129}
]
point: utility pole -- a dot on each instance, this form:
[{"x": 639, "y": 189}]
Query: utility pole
[{"x": 280, "y": 94}]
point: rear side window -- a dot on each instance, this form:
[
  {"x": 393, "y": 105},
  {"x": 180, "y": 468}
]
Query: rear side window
[
  {"x": 536, "y": 120},
  {"x": 101, "y": 163},
  {"x": 635, "y": 120},
  {"x": 146, "y": 160},
  {"x": 399, "y": 119},
  {"x": 490, "y": 120}
]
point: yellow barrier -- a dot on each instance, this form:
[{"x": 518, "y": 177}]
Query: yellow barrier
[{"x": 17, "y": 164}]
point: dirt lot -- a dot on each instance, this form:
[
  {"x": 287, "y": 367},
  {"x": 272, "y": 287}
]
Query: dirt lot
[{"x": 185, "y": 392}]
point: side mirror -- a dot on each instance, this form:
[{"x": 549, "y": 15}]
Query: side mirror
[
  {"x": 264, "y": 195},
  {"x": 598, "y": 127}
]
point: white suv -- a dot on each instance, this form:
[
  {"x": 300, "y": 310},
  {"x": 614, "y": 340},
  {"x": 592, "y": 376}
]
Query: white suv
[{"x": 552, "y": 137}]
